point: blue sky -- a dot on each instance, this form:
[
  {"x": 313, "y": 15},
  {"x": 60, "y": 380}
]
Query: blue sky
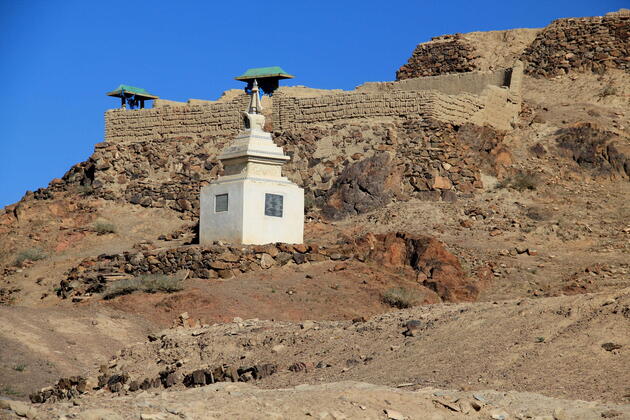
[{"x": 58, "y": 58}]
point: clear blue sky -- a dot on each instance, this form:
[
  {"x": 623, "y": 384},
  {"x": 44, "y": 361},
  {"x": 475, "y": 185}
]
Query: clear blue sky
[{"x": 58, "y": 58}]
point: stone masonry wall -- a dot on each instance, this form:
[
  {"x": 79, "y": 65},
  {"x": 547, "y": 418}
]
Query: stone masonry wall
[
  {"x": 580, "y": 44},
  {"x": 221, "y": 118},
  {"x": 440, "y": 269},
  {"x": 440, "y": 162},
  {"x": 442, "y": 55}
]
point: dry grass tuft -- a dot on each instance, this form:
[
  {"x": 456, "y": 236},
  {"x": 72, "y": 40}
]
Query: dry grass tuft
[
  {"x": 30, "y": 254},
  {"x": 101, "y": 227},
  {"x": 521, "y": 181},
  {"x": 147, "y": 283},
  {"x": 399, "y": 297}
]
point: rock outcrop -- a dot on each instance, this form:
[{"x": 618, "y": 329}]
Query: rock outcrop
[
  {"x": 596, "y": 149},
  {"x": 427, "y": 158},
  {"x": 363, "y": 186}
]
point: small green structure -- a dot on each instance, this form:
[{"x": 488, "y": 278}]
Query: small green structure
[
  {"x": 131, "y": 97},
  {"x": 268, "y": 78}
]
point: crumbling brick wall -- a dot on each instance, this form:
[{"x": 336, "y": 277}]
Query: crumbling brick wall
[
  {"x": 442, "y": 55},
  {"x": 451, "y": 98},
  {"x": 591, "y": 44}
]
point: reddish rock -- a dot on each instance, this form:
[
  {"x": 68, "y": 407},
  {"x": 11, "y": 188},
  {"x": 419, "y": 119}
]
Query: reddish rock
[
  {"x": 441, "y": 183},
  {"x": 441, "y": 270}
]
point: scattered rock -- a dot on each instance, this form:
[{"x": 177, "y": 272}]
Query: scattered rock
[
  {"x": 412, "y": 328},
  {"x": 393, "y": 414},
  {"x": 611, "y": 346},
  {"x": 266, "y": 261}
]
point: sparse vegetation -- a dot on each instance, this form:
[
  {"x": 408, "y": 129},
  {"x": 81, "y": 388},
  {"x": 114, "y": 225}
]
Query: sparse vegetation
[
  {"x": 85, "y": 190},
  {"x": 30, "y": 254},
  {"x": 400, "y": 297},
  {"x": 608, "y": 90},
  {"x": 101, "y": 227},
  {"x": 148, "y": 283},
  {"x": 521, "y": 181},
  {"x": 20, "y": 368},
  {"x": 10, "y": 392},
  {"x": 309, "y": 203}
]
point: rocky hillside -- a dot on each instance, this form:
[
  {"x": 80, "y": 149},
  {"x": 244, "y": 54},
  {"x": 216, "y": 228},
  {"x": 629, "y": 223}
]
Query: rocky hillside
[{"x": 506, "y": 251}]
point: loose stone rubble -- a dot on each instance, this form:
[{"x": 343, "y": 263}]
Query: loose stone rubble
[
  {"x": 442, "y": 55},
  {"x": 580, "y": 44}
]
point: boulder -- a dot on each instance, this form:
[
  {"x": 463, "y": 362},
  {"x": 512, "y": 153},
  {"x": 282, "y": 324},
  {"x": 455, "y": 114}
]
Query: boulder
[{"x": 363, "y": 186}]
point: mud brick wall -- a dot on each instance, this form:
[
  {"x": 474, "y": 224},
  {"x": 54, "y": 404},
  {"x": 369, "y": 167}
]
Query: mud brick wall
[
  {"x": 591, "y": 44},
  {"x": 442, "y": 55},
  {"x": 164, "y": 122},
  {"x": 452, "y": 84},
  {"x": 292, "y": 113}
]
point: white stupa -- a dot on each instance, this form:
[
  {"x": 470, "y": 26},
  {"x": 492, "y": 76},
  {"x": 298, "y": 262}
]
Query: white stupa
[{"x": 252, "y": 203}]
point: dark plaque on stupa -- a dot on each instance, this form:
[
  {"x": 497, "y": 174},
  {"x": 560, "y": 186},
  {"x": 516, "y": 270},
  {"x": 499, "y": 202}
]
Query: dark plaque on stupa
[{"x": 273, "y": 205}]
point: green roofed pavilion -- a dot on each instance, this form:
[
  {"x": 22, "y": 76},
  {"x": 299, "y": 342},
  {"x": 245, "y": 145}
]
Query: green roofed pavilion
[
  {"x": 131, "y": 96},
  {"x": 268, "y": 78},
  {"x": 260, "y": 72}
]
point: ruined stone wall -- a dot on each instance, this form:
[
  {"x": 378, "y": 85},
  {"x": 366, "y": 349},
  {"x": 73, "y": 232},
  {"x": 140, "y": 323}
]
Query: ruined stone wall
[
  {"x": 442, "y": 55},
  {"x": 452, "y": 84},
  {"x": 441, "y": 163},
  {"x": 292, "y": 113},
  {"x": 580, "y": 44},
  {"x": 177, "y": 120},
  {"x": 395, "y": 249}
]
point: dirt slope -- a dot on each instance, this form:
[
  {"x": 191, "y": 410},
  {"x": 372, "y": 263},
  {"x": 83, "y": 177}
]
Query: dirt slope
[
  {"x": 38, "y": 345},
  {"x": 344, "y": 400},
  {"x": 551, "y": 345}
]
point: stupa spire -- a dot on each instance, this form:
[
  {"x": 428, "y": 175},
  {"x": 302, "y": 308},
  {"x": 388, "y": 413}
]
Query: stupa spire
[
  {"x": 255, "y": 106},
  {"x": 254, "y": 119}
]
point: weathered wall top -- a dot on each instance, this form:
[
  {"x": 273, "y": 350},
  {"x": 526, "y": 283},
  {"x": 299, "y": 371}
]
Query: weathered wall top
[
  {"x": 173, "y": 121},
  {"x": 455, "y": 98},
  {"x": 452, "y": 84}
]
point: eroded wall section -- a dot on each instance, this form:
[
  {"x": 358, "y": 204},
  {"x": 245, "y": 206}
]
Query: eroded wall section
[
  {"x": 176, "y": 121},
  {"x": 483, "y": 98}
]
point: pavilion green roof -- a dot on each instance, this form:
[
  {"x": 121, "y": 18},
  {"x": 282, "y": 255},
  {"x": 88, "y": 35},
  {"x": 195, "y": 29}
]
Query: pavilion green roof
[
  {"x": 262, "y": 72},
  {"x": 118, "y": 92}
]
